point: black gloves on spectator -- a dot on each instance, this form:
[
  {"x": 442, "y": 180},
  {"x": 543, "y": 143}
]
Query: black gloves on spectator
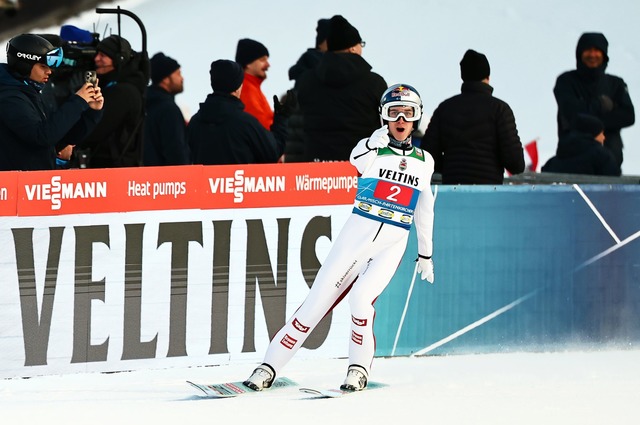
[
  {"x": 288, "y": 106},
  {"x": 606, "y": 103}
]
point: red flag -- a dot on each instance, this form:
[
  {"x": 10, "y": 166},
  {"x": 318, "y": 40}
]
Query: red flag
[{"x": 531, "y": 150}]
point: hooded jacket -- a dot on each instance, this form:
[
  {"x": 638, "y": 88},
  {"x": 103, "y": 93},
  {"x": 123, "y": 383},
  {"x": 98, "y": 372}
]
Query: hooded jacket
[
  {"x": 339, "y": 100},
  {"x": 593, "y": 92},
  {"x": 473, "y": 137},
  {"x": 29, "y": 132},
  {"x": 221, "y": 132}
]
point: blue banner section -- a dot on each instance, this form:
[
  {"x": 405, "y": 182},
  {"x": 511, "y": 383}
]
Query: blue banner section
[{"x": 520, "y": 268}]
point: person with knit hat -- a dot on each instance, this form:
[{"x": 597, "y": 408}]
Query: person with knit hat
[
  {"x": 473, "y": 136},
  {"x": 222, "y": 132},
  {"x": 339, "y": 97},
  {"x": 31, "y": 132},
  {"x": 253, "y": 57},
  {"x": 122, "y": 72},
  {"x": 582, "y": 151},
  {"x": 589, "y": 90},
  {"x": 308, "y": 60},
  {"x": 165, "y": 127}
]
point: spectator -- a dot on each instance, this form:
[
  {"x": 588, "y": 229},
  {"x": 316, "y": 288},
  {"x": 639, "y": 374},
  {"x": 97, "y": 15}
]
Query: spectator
[
  {"x": 311, "y": 57},
  {"x": 221, "y": 132},
  {"x": 165, "y": 127},
  {"x": 581, "y": 151},
  {"x": 368, "y": 250},
  {"x": 253, "y": 57},
  {"x": 339, "y": 97},
  {"x": 31, "y": 135},
  {"x": 294, "y": 151},
  {"x": 123, "y": 74},
  {"x": 589, "y": 90},
  {"x": 472, "y": 136}
]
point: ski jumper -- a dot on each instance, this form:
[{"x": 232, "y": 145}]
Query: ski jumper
[{"x": 394, "y": 191}]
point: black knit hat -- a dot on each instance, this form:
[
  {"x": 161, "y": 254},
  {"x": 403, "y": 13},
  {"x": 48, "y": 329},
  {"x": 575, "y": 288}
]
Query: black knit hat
[
  {"x": 342, "y": 34},
  {"x": 474, "y": 66},
  {"x": 226, "y": 76},
  {"x": 249, "y": 50},
  {"x": 589, "y": 124},
  {"x": 162, "y": 66},
  {"x": 322, "y": 31},
  {"x": 117, "y": 48}
]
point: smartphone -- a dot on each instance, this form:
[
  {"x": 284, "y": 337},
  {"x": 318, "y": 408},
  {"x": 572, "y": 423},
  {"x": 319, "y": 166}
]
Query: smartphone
[{"x": 91, "y": 77}]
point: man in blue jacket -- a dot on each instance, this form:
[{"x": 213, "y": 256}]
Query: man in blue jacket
[
  {"x": 31, "y": 135},
  {"x": 589, "y": 90}
]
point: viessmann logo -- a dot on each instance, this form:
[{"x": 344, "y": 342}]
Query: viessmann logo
[
  {"x": 56, "y": 191},
  {"x": 240, "y": 184}
]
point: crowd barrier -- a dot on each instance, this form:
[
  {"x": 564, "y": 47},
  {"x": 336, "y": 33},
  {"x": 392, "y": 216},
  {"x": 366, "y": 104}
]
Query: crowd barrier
[{"x": 120, "y": 269}]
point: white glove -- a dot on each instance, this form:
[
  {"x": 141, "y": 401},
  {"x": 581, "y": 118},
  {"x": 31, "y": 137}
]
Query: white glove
[
  {"x": 379, "y": 138},
  {"x": 425, "y": 268}
]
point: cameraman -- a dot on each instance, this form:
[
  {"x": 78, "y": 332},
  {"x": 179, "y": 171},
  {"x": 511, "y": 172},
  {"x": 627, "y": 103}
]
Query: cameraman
[
  {"x": 78, "y": 48},
  {"x": 31, "y": 134},
  {"x": 124, "y": 74}
]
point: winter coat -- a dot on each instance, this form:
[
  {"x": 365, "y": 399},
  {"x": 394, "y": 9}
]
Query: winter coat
[
  {"x": 30, "y": 132},
  {"x": 117, "y": 140},
  {"x": 473, "y": 137},
  {"x": 339, "y": 100},
  {"x": 294, "y": 151},
  {"x": 165, "y": 130},
  {"x": 221, "y": 132},
  {"x": 593, "y": 92},
  {"x": 308, "y": 60},
  {"x": 580, "y": 153},
  {"x": 255, "y": 102}
]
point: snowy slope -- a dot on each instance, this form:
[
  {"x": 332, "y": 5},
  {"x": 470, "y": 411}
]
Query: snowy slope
[
  {"x": 528, "y": 43},
  {"x": 586, "y": 388}
]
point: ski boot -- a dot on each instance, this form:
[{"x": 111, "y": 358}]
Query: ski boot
[{"x": 261, "y": 378}]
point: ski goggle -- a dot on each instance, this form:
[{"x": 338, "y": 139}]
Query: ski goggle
[
  {"x": 392, "y": 111},
  {"x": 53, "y": 59}
]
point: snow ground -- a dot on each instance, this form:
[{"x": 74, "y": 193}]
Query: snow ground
[{"x": 595, "y": 387}]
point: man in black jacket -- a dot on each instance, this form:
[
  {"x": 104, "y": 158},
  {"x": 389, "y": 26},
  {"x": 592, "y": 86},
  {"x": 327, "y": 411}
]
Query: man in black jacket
[
  {"x": 588, "y": 90},
  {"x": 339, "y": 97},
  {"x": 581, "y": 150},
  {"x": 221, "y": 132},
  {"x": 294, "y": 151},
  {"x": 473, "y": 136},
  {"x": 165, "y": 129},
  {"x": 30, "y": 134},
  {"x": 123, "y": 75}
]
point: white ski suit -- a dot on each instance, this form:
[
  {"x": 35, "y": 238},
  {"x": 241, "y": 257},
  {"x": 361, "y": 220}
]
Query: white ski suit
[{"x": 394, "y": 190}]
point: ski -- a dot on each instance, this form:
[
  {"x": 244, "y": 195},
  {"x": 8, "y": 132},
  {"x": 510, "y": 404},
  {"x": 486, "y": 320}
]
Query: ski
[
  {"x": 234, "y": 389},
  {"x": 337, "y": 392}
]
